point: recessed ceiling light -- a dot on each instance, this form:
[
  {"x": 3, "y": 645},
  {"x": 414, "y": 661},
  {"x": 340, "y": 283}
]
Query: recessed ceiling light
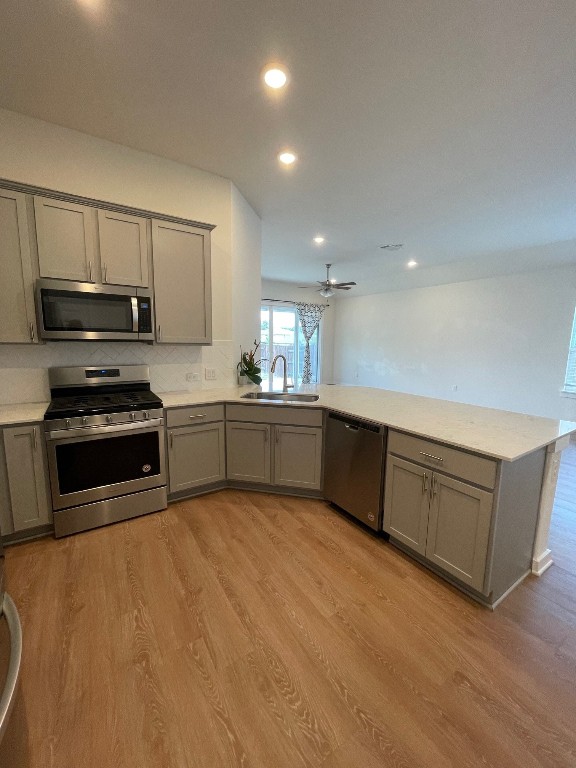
[
  {"x": 318, "y": 240},
  {"x": 287, "y": 158},
  {"x": 274, "y": 77},
  {"x": 411, "y": 264}
]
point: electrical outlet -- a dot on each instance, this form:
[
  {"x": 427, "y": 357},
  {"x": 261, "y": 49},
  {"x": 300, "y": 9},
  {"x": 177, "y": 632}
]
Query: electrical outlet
[
  {"x": 193, "y": 376},
  {"x": 210, "y": 374}
]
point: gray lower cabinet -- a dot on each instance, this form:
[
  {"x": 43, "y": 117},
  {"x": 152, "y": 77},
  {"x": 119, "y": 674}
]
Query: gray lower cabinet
[
  {"x": 248, "y": 452},
  {"x": 27, "y": 479},
  {"x": 17, "y": 315},
  {"x": 297, "y": 456},
  {"x": 274, "y": 445},
  {"x": 196, "y": 447},
  {"x": 445, "y": 520},
  {"x": 469, "y": 516}
]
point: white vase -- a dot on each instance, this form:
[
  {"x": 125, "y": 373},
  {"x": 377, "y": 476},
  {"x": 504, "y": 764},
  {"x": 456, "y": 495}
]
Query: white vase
[{"x": 243, "y": 380}]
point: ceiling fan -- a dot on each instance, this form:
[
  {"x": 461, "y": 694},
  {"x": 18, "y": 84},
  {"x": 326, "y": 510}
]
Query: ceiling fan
[{"x": 328, "y": 286}]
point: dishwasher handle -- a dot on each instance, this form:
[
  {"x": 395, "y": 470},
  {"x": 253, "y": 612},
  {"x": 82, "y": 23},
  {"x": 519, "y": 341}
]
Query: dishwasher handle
[{"x": 354, "y": 425}]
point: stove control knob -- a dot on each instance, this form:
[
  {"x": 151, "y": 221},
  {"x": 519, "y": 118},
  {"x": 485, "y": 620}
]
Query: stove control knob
[
  {"x": 133, "y": 416},
  {"x": 84, "y": 419},
  {"x": 68, "y": 423},
  {"x": 109, "y": 419},
  {"x": 146, "y": 415}
]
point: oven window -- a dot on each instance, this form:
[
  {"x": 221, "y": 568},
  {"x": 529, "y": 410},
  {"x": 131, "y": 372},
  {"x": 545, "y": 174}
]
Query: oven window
[
  {"x": 87, "y": 464},
  {"x": 77, "y": 311}
]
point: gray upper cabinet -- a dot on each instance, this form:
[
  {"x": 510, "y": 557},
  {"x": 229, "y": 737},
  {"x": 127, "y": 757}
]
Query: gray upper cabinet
[
  {"x": 27, "y": 477},
  {"x": 66, "y": 238},
  {"x": 17, "y": 316},
  {"x": 123, "y": 249},
  {"x": 182, "y": 283},
  {"x": 88, "y": 244}
]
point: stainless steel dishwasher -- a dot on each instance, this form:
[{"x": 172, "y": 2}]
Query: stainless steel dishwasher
[{"x": 354, "y": 467}]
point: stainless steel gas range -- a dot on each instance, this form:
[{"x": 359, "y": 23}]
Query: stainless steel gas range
[{"x": 104, "y": 432}]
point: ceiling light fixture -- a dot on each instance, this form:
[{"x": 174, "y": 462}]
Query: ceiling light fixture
[
  {"x": 287, "y": 158},
  {"x": 326, "y": 292},
  {"x": 411, "y": 264},
  {"x": 318, "y": 240},
  {"x": 274, "y": 77}
]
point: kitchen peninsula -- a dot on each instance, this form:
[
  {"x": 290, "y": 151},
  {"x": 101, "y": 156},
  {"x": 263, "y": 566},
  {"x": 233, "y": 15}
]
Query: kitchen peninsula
[{"x": 504, "y": 463}]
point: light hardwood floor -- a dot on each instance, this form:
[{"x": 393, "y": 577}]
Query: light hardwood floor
[{"x": 245, "y": 629}]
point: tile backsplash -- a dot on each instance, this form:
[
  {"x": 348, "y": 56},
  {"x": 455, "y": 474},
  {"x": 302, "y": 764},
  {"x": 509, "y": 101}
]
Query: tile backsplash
[{"x": 24, "y": 367}]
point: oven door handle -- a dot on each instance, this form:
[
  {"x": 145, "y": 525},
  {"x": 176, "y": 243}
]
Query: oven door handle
[
  {"x": 8, "y": 695},
  {"x": 85, "y": 433}
]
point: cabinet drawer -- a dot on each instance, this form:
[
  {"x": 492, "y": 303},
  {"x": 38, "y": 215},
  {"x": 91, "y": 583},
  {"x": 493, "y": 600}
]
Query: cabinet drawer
[
  {"x": 274, "y": 414},
  {"x": 453, "y": 461},
  {"x": 194, "y": 414}
]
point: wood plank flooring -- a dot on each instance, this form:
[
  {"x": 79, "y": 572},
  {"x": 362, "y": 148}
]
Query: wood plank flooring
[{"x": 244, "y": 629}]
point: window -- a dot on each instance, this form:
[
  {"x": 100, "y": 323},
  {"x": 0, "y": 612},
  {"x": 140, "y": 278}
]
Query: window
[
  {"x": 281, "y": 334},
  {"x": 570, "y": 382}
]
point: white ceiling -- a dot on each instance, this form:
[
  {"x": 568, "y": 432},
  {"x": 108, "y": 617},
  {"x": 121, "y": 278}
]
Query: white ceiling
[{"x": 448, "y": 126}]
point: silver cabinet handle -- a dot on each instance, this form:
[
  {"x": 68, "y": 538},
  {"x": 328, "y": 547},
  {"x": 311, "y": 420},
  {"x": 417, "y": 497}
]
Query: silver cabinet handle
[
  {"x": 159, "y": 333},
  {"x": 431, "y": 456},
  {"x": 424, "y": 483},
  {"x": 198, "y": 416},
  {"x": 434, "y": 485},
  {"x": 90, "y": 272},
  {"x": 35, "y": 442},
  {"x": 171, "y": 440},
  {"x": 7, "y": 696},
  {"x": 105, "y": 271},
  {"x": 32, "y": 333}
]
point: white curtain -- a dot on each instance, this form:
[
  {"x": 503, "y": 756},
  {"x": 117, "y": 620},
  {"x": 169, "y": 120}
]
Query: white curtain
[{"x": 309, "y": 316}]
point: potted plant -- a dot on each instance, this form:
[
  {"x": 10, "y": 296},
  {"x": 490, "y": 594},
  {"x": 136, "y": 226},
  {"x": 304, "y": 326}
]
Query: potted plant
[{"x": 248, "y": 366}]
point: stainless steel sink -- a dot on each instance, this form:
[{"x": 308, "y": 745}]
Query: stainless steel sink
[{"x": 281, "y": 397}]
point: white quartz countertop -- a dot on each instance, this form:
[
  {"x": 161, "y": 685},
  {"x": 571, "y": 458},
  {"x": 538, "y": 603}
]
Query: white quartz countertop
[{"x": 500, "y": 434}]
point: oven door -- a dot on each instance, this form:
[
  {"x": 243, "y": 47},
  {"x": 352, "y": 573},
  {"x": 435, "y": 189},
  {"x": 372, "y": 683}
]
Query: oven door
[{"x": 99, "y": 463}]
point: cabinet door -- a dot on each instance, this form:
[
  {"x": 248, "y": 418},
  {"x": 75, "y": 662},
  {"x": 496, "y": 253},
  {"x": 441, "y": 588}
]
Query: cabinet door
[
  {"x": 66, "y": 241},
  {"x": 248, "y": 452},
  {"x": 406, "y": 503},
  {"x": 196, "y": 456},
  {"x": 123, "y": 249},
  {"x": 27, "y": 476},
  {"x": 17, "y": 317},
  {"x": 459, "y": 529},
  {"x": 298, "y": 456},
  {"x": 181, "y": 257}
]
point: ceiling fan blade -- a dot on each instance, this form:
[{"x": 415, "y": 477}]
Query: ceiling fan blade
[{"x": 340, "y": 285}]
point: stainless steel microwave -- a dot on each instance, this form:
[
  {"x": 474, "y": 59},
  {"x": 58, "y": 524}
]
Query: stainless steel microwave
[{"x": 88, "y": 311}]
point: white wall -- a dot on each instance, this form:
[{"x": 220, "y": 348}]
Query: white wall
[
  {"x": 245, "y": 274},
  {"x": 503, "y": 342},
  {"x": 46, "y": 155},
  {"x": 272, "y": 289}
]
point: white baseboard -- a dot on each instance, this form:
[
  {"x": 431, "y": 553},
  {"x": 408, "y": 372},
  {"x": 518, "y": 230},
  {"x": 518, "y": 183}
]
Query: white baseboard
[{"x": 542, "y": 563}]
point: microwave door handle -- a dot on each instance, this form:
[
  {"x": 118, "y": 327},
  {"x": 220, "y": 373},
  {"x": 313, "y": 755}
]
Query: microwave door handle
[{"x": 134, "y": 300}]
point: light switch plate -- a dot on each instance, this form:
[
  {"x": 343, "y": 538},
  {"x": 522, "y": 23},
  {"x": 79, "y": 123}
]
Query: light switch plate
[{"x": 210, "y": 373}]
